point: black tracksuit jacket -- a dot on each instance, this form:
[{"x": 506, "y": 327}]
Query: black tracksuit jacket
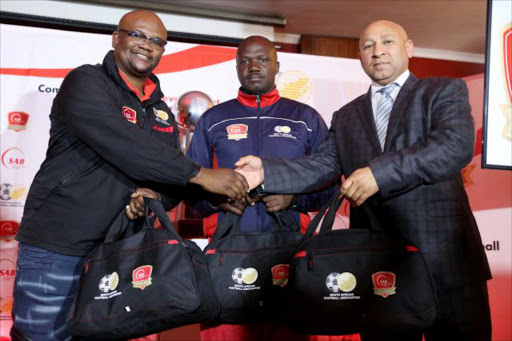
[{"x": 96, "y": 158}]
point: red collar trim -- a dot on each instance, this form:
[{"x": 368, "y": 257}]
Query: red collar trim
[
  {"x": 265, "y": 100},
  {"x": 149, "y": 87}
]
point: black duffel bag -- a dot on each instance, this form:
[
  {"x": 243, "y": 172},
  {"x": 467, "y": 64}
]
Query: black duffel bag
[
  {"x": 351, "y": 280},
  {"x": 142, "y": 284},
  {"x": 249, "y": 270}
]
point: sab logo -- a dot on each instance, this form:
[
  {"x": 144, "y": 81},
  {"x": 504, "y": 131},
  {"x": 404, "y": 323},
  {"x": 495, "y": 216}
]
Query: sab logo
[
  {"x": 13, "y": 158},
  {"x": 7, "y": 268}
]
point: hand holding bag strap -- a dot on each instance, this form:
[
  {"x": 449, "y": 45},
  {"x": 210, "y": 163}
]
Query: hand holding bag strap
[
  {"x": 118, "y": 227},
  {"x": 158, "y": 209}
]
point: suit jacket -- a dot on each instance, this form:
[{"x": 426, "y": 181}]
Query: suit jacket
[{"x": 421, "y": 194}]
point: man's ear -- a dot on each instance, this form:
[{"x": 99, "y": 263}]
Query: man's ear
[
  {"x": 115, "y": 39},
  {"x": 409, "y": 46},
  {"x": 278, "y": 65}
]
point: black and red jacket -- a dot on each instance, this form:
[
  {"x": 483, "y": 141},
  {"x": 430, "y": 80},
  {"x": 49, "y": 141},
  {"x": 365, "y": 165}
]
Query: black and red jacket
[{"x": 104, "y": 142}]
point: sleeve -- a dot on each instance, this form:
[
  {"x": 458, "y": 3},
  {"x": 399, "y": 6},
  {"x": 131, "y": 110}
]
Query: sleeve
[
  {"x": 311, "y": 173},
  {"x": 314, "y": 201},
  {"x": 446, "y": 150},
  {"x": 88, "y": 108}
]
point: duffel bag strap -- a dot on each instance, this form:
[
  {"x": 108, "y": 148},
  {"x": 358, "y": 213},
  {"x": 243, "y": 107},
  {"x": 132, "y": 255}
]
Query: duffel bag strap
[
  {"x": 328, "y": 221},
  {"x": 227, "y": 223},
  {"x": 119, "y": 227},
  {"x": 158, "y": 209},
  {"x": 313, "y": 224}
]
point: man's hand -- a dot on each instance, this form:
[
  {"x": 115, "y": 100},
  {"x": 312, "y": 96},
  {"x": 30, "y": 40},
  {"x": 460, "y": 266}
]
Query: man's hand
[
  {"x": 278, "y": 202},
  {"x": 252, "y": 169},
  {"x": 135, "y": 209},
  {"x": 359, "y": 186},
  {"x": 235, "y": 207},
  {"x": 222, "y": 181}
]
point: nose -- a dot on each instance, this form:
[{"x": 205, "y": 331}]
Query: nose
[
  {"x": 146, "y": 45},
  {"x": 254, "y": 66},
  {"x": 378, "y": 50}
]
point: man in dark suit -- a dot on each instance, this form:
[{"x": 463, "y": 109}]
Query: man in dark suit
[{"x": 401, "y": 147}]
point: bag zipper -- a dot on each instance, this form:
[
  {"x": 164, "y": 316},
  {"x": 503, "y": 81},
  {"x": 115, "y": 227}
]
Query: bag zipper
[{"x": 239, "y": 252}]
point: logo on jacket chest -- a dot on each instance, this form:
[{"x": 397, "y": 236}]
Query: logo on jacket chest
[
  {"x": 282, "y": 131},
  {"x": 161, "y": 116},
  {"x": 237, "y": 131},
  {"x": 129, "y": 114}
]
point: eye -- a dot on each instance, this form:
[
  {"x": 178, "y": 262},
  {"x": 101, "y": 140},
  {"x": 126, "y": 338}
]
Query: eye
[
  {"x": 265, "y": 60},
  {"x": 158, "y": 42},
  {"x": 367, "y": 46},
  {"x": 244, "y": 62},
  {"x": 137, "y": 35},
  {"x": 387, "y": 42}
]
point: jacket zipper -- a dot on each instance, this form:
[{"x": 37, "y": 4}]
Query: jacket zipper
[{"x": 258, "y": 101}]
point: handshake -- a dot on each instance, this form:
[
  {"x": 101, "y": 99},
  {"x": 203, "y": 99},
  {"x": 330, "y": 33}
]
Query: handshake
[{"x": 233, "y": 184}]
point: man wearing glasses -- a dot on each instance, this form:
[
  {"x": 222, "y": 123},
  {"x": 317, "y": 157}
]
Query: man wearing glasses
[{"x": 110, "y": 133}]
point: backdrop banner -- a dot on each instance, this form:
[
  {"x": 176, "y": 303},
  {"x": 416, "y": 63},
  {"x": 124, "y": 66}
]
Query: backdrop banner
[{"x": 34, "y": 62}]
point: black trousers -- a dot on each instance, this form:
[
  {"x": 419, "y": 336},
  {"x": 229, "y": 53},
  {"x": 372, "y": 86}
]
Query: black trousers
[{"x": 464, "y": 314}]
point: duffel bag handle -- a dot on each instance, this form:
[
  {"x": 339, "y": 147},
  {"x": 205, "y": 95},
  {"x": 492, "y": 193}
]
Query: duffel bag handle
[
  {"x": 158, "y": 209},
  {"x": 231, "y": 223},
  {"x": 332, "y": 205},
  {"x": 119, "y": 227}
]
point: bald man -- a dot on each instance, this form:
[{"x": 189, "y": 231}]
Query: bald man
[
  {"x": 110, "y": 133},
  {"x": 401, "y": 147},
  {"x": 260, "y": 122}
]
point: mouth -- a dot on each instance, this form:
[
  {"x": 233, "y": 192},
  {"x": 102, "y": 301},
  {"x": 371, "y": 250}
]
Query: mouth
[
  {"x": 254, "y": 78},
  {"x": 143, "y": 57},
  {"x": 380, "y": 64}
]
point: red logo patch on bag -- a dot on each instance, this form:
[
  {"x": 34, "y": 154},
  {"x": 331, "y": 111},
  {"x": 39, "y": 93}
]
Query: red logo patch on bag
[
  {"x": 384, "y": 283},
  {"x": 130, "y": 114},
  {"x": 142, "y": 277},
  {"x": 237, "y": 131},
  {"x": 280, "y": 273}
]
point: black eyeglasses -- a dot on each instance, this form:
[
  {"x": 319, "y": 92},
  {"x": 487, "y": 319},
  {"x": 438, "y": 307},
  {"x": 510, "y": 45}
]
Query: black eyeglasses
[{"x": 140, "y": 38}]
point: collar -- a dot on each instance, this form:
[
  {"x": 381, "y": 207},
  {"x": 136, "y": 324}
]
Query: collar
[
  {"x": 149, "y": 87},
  {"x": 265, "y": 99},
  {"x": 400, "y": 81}
]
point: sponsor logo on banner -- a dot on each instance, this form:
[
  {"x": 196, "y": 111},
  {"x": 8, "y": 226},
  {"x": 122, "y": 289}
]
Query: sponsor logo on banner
[
  {"x": 161, "y": 116},
  {"x": 384, "y": 283},
  {"x": 129, "y": 114},
  {"x": 244, "y": 279},
  {"x": 108, "y": 285},
  {"x": 142, "y": 277},
  {"x": 280, "y": 274},
  {"x": 341, "y": 286},
  {"x": 8, "y": 229},
  {"x": 13, "y": 158},
  {"x": 282, "y": 131},
  {"x": 7, "y": 275},
  {"x": 506, "y": 132},
  {"x": 237, "y": 131},
  {"x": 295, "y": 85},
  {"x": 17, "y": 120},
  {"x": 12, "y": 195}
]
